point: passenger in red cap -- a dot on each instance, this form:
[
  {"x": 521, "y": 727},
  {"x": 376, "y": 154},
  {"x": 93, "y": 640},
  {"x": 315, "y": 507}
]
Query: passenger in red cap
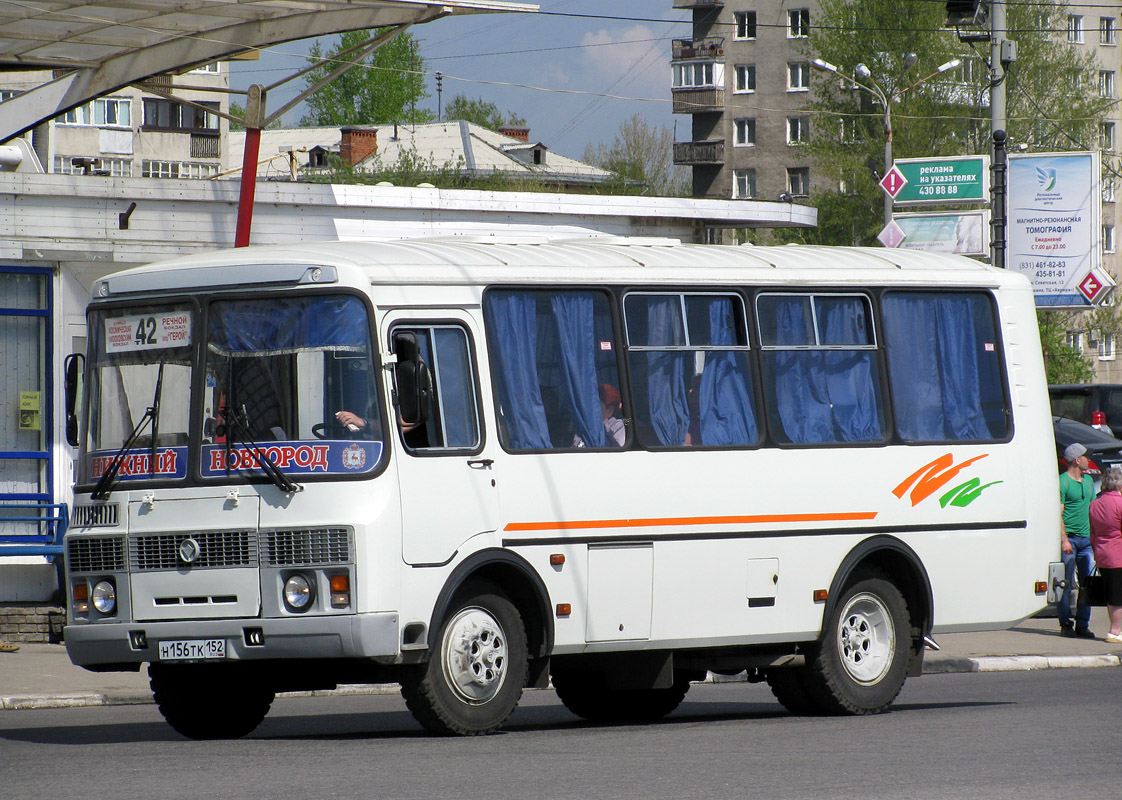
[{"x": 611, "y": 404}]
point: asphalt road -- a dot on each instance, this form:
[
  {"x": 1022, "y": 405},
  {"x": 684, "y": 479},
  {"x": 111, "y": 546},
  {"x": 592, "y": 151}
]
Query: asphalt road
[{"x": 1021, "y": 735}]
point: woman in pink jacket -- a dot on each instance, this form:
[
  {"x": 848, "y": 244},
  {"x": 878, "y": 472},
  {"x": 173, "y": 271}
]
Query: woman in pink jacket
[{"x": 1106, "y": 541}]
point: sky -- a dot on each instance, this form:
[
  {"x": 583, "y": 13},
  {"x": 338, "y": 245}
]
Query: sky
[{"x": 575, "y": 71}]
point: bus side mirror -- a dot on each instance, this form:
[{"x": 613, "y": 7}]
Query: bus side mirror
[
  {"x": 73, "y": 367},
  {"x": 414, "y": 383}
]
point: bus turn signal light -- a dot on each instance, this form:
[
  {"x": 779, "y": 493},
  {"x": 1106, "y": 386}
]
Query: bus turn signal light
[
  {"x": 1042, "y": 587},
  {"x": 81, "y": 596},
  {"x": 564, "y": 609},
  {"x": 556, "y": 559},
  {"x": 340, "y": 590},
  {"x": 820, "y": 595}
]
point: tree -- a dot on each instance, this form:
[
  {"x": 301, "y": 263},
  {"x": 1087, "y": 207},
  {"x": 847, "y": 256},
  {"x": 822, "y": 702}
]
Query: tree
[
  {"x": 946, "y": 115},
  {"x": 384, "y": 87},
  {"x": 480, "y": 112},
  {"x": 1062, "y": 362},
  {"x": 642, "y": 153}
]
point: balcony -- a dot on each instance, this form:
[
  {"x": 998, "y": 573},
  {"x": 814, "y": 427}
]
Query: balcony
[
  {"x": 711, "y": 47},
  {"x": 697, "y": 101},
  {"x": 203, "y": 146},
  {"x": 698, "y": 3},
  {"x": 711, "y": 151}
]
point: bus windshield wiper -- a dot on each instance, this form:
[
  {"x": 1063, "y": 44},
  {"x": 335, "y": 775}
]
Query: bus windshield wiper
[
  {"x": 151, "y": 414},
  {"x": 233, "y": 422}
]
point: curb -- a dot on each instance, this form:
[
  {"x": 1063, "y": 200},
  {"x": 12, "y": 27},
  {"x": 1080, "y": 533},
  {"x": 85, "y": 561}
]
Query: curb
[{"x": 938, "y": 666}]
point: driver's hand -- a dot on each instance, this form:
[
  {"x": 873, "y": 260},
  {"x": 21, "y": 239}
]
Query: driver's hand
[{"x": 350, "y": 420}]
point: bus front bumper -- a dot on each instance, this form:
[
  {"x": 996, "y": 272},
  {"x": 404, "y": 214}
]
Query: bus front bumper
[{"x": 121, "y": 644}]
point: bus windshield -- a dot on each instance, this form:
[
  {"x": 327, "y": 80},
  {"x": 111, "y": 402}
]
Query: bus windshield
[{"x": 280, "y": 380}]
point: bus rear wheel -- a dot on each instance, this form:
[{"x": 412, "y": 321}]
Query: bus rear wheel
[
  {"x": 587, "y": 695},
  {"x": 204, "y": 701},
  {"x": 474, "y": 680},
  {"x": 861, "y": 662}
]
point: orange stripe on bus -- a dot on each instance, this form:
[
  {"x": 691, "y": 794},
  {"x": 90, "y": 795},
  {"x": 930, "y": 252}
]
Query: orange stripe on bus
[{"x": 667, "y": 521}]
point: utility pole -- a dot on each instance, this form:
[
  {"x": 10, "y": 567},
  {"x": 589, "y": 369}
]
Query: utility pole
[{"x": 1002, "y": 52}]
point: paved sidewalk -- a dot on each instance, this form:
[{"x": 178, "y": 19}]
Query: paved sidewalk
[{"x": 41, "y": 675}]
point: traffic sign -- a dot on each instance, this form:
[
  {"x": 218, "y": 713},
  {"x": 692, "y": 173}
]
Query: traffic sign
[
  {"x": 893, "y": 182},
  {"x": 961, "y": 179},
  {"x": 892, "y": 235},
  {"x": 1090, "y": 286}
]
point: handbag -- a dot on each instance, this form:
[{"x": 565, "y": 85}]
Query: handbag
[{"x": 1092, "y": 590}]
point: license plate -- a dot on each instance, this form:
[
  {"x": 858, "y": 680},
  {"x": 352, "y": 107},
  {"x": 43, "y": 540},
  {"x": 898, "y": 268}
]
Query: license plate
[{"x": 192, "y": 649}]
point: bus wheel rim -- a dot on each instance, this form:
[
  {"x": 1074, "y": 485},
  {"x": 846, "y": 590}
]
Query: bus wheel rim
[
  {"x": 866, "y": 639},
  {"x": 474, "y": 656}
]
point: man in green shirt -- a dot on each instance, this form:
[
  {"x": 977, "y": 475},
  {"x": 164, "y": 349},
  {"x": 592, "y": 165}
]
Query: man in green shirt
[{"x": 1077, "y": 489}]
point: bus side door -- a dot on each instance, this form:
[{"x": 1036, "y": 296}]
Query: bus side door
[{"x": 446, "y": 477}]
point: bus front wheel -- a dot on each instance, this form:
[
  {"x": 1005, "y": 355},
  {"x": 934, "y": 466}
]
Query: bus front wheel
[
  {"x": 204, "y": 701},
  {"x": 861, "y": 662},
  {"x": 473, "y": 681}
]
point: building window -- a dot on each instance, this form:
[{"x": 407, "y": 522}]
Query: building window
[
  {"x": 798, "y": 76},
  {"x": 745, "y": 133},
  {"x": 1074, "y": 340},
  {"x": 167, "y": 115},
  {"x": 105, "y": 112},
  {"x": 798, "y": 23},
  {"x": 212, "y": 68},
  {"x": 798, "y": 181},
  {"x": 1108, "y": 238},
  {"x": 850, "y": 130},
  {"x": 745, "y": 78},
  {"x": 798, "y": 130},
  {"x": 745, "y": 24},
  {"x": 1108, "y": 31},
  {"x": 695, "y": 74},
  {"x": 744, "y": 184},
  {"x": 1075, "y": 29},
  {"x": 1108, "y": 190},
  {"x": 1106, "y": 347},
  {"x": 1106, "y": 83},
  {"x": 1106, "y": 138},
  {"x": 84, "y": 165}
]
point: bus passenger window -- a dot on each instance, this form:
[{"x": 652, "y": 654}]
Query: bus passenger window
[
  {"x": 820, "y": 368},
  {"x": 690, "y": 376},
  {"x": 551, "y": 354},
  {"x": 944, "y": 367},
  {"x": 445, "y": 414}
]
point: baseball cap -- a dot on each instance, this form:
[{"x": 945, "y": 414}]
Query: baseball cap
[{"x": 1074, "y": 451}]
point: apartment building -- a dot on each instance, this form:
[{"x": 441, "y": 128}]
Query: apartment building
[{"x": 136, "y": 132}]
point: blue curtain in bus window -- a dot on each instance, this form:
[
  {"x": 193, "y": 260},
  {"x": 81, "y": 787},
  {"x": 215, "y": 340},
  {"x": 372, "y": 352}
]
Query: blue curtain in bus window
[
  {"x": 574, "y": 314},
  {"x": 933, "y": 365},
  {"x": 289, "y": 325},
  {"x": 666, "y": 372},
  {"x": 456, "y": 391},
  {"x": 513, "y": 338},
  {"x": 724, "y": 401},
  {"x": 851, "y": 379},
  {"x": 801, "y": 392}
]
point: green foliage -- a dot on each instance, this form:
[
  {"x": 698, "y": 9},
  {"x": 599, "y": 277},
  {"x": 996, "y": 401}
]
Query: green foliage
[
  {"x": 943, "y": 115},
  {"x": 384, "y": 87},
  {"x": 641, "y": 154},
  {"x": 480, "y": 112},
  {"x": 1062, "y": 362}
]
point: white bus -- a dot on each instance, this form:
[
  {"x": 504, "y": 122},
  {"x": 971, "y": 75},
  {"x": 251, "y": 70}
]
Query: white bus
[{"x": 471, "y": 465}]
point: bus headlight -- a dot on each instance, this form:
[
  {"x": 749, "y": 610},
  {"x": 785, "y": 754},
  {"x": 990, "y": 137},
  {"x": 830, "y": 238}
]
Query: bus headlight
[
  {"x": 105, "y": 597},
  {"x": 297, "y": 592}
]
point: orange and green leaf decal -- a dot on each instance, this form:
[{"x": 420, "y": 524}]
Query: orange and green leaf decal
[{"x": 936, "y": 474}]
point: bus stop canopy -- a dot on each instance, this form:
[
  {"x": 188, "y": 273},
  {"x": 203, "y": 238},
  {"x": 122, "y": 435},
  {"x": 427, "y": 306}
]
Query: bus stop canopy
[{"x": 94, "y": 48}]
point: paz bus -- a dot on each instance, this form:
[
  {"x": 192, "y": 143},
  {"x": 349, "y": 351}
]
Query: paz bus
[{"x": 472, "y": 465}]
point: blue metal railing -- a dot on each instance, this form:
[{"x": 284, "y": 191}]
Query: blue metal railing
[{"x": 51, "y": 518}]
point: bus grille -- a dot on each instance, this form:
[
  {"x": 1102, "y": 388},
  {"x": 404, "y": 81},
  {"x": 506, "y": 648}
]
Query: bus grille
[
  {"x": 102, "y": 515},
  {"x": 96, "y": 554},
  {"x": 318, "y": 546},
  {"x": 216, "y": 549}
]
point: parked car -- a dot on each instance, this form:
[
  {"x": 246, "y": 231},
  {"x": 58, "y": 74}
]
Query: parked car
[
  {"x": 1103, "y": 450},
  {"x": 1095, "y": 404}
]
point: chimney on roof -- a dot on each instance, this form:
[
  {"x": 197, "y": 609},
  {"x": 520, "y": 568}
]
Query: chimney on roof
[
  {"x": 358, "y": 144},
  {"x": 518, "y": 132}
]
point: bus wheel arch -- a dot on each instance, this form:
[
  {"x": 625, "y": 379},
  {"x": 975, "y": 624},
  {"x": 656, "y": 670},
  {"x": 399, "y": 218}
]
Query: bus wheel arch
[{"x": 515, "y": 578}]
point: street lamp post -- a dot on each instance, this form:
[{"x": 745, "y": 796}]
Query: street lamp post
[{"x": 886, "y": 100}]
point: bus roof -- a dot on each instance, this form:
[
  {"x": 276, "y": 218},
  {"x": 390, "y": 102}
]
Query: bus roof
[{"x": 480, "y": 260}]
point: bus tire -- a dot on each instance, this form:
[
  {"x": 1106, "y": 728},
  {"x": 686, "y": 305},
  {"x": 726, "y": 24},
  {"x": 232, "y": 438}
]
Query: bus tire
[
  {"x": 206, "y": 701},
  {"x": 586, "y": 695},
  {"x": 473, "y": 681},
  {"x": 789, "y": 687},
  {"x": 861, "y": 662}
]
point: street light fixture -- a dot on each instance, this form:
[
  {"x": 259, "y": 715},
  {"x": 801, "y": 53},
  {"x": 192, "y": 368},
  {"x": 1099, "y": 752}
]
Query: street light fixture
[{"x": 886, "y": 100}]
